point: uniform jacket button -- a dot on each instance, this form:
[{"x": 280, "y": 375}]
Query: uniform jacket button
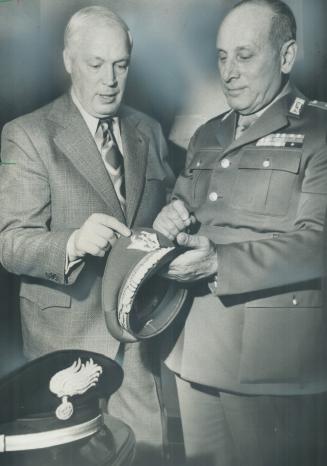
[
  {"x": 225, "y": 163},
  {"x": 213, "y": 196}
]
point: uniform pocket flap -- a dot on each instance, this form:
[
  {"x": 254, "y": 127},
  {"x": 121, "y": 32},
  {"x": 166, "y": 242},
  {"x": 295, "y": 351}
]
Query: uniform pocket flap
[
  {"x": 281, "y": 345},
  {"x": 205, "y": 159},
  {"x": 271, "y": 159},
  {"x": 301, "y": 299},
  {"x": 45, "y": 296}
]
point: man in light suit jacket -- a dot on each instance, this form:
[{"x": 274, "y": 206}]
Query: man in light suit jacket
[
  {"x": 64, "y": 203},
  {"x": 251, "y": 358}
]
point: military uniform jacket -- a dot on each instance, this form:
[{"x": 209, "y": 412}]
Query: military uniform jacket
[
  {"x": 259, "y": 327},
  {"x": 55, "y": 180}
]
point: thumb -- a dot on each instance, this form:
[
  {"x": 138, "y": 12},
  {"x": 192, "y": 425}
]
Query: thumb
[{"x": 192, "y": 241}]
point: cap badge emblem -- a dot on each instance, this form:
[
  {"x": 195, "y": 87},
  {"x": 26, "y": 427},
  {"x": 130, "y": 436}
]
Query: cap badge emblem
[
  {"x": 144, "y": 241},
  {"x": 74, "y": 380}
]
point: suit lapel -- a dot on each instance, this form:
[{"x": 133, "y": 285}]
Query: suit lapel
[
  {"x": 135, "y": 149},
  {"x": 273, "y": 119},
  {"x": 76, "y": 142}
]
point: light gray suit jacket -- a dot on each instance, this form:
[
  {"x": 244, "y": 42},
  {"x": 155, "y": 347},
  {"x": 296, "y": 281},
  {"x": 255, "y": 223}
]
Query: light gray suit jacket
[{"x": 55, "y": 180}]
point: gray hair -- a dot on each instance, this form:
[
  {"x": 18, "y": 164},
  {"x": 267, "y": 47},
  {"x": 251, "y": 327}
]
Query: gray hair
[
  {"x": 283, "y": 23},
  {"x": 99, "y": 15}
]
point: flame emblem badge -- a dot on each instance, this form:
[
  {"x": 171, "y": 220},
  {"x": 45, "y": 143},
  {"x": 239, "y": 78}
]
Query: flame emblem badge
[
  {"x": 144, "y": 241},
  {"x": 74, "y": 380}
]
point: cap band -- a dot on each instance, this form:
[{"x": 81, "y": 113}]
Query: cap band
[
  {"x": 50, "y": 438},
  {"x": 135, "y": 278}
]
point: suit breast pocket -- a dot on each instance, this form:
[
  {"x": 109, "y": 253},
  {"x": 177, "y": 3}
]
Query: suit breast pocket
[
  {"x": 265, "y": 180},
  {"x": 45, "y": 297},
  {"x": 282, "y": 338}
]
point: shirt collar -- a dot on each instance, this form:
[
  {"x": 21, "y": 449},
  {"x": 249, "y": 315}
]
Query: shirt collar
[{"x": 91, "y": 121}]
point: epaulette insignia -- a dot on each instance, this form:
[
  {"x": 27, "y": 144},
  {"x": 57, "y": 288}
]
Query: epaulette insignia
[
  {"x": 297, "y": 107},
  {"x": 318, "y": 104}
]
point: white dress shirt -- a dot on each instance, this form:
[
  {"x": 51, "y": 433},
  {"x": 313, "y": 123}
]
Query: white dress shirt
[{"x": 92, "y": 124}]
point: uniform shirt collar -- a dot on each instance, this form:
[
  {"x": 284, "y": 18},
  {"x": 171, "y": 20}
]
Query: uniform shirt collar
[
  {"x": 245, "y": 121},
  {"x": 286, "y": 89}
]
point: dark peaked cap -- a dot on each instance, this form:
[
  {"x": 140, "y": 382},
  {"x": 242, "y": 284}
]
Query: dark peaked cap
[
  {"x": 28, "y": 406},
  {"x": 137, "y": 301}
]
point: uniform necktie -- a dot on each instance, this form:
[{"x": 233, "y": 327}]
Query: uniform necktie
[
  {"x": 244, "y": 122},
  {"x": 113, "y": 159}
]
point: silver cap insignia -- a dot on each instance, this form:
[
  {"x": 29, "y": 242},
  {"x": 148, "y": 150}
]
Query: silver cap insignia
[
  {"x": 74, "y": 380},
  {"x": 144, "y": 241}
]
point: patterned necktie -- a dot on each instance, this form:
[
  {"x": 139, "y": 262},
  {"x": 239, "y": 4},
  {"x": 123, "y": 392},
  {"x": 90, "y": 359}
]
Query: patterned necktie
[
  {"x": 113, "y": 159},
  {"x": 244, "y": 122}
]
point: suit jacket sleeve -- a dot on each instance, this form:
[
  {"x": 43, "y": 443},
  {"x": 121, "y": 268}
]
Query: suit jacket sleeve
[
  {"x": 183, "y": 186},
  {"x": 28, "y": 246},
  {"x": 162, "y": 150},
  {"x": 291, "y": 257}
]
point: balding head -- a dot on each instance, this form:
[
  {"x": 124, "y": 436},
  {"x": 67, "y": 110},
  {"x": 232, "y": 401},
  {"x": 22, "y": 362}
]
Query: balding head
[
  {"x": 253, "y": 68},
  {"x": 283, "y": 24}
]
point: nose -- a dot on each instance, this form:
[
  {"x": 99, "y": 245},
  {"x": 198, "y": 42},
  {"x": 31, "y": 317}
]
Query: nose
[
  {"x": 229, "y": 70},
  {"x": 109, "y": 76}
]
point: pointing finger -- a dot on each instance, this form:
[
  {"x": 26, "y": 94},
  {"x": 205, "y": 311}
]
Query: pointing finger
[{"x": 114, "y": 224}]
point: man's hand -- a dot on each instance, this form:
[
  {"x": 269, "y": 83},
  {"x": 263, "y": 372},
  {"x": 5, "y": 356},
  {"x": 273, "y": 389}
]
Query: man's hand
[
  {"x": 197, "y": 263},
  {"x": 96, "y": 235},
  {"x": 173, "y": 219}
]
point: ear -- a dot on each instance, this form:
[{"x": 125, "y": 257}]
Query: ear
[
  {"x": 67, "y": 61},
  {"x": 288, "y": 55}
]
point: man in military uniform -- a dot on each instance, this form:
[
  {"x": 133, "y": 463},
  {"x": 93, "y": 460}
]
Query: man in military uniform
[{"x": 250, "y": 359}]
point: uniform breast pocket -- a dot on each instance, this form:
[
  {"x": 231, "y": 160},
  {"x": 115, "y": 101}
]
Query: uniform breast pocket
[
  {"x": 266, "y": 180},
  {"x": 201, "y": 170}
]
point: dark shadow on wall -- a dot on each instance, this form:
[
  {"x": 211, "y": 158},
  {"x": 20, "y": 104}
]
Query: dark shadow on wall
[{"x": 310, "y": 71}]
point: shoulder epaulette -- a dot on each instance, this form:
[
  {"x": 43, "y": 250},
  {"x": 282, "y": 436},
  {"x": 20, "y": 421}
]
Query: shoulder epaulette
[{"x": 318, "y": 104}]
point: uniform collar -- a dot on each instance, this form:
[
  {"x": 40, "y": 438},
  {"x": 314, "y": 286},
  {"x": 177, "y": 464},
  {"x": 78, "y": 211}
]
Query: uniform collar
[
  {"x": 285, "y": 90},
  {"x": 273, "y": 118}
]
